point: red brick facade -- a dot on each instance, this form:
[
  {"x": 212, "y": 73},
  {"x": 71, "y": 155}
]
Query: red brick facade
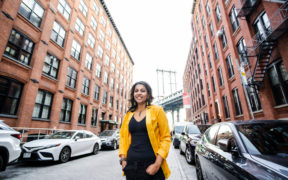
[
  {"x": 32, "y": 77},
  {"x": 271, "y": 99}
]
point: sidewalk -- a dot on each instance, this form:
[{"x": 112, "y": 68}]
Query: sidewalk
[{"x": 174, "y": 164}]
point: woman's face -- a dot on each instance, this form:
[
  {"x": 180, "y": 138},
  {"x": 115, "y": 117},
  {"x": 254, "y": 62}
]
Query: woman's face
[{"x": 140, "y": 94}]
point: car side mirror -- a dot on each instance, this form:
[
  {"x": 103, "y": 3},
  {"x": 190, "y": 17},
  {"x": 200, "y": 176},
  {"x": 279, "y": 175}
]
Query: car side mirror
[{"x": 224, "y": 145}]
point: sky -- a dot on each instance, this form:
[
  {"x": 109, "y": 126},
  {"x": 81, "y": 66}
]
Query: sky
[{"x": 157, "y": 34}]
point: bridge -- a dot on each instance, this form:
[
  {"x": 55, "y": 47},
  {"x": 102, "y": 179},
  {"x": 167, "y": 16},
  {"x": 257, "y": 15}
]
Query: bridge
[{"x": 172, "y": 102}]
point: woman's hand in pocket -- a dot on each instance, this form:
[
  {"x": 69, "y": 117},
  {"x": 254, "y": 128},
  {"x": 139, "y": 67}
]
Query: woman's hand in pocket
[{"x": 124, "y": 163}]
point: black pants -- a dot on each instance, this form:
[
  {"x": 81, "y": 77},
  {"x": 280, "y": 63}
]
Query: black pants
[{"x": 136, "y": 170}]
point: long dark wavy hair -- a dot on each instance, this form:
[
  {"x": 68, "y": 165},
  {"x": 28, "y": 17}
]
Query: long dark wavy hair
[{"x": 132, "y": 103}]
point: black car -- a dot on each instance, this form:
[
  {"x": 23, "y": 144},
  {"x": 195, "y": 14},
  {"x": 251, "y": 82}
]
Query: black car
[
  {"x": 256, "y": 149},
  {"x": 188, "y": 140},
  {"x": 110, "y": 139}
]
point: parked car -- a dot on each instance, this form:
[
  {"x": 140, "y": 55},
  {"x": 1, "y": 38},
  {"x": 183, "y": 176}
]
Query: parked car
[
  {"x": 110, "y": 138},
  {"x": 9, "y": 145},
  {"x": 188, "y": 140},
  {"x": 176, "y": 132},
  {"x": 61, "y": 145},
  {"x": 255, "y": 149}
]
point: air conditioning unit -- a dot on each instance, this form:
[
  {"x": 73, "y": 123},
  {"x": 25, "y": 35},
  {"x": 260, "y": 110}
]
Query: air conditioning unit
[{"x": 219, "y": 33}]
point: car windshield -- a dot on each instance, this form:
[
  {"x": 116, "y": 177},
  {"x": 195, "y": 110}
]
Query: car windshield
[
  {"x": 62, "y": 135},
  {"x": 106, "y": 133},
  {"x": 179, "y": 129},
  {"x": 193, "y": 130},
  {"x": 265, "y": 139}
]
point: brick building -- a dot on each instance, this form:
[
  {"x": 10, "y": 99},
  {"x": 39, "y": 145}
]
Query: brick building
[
  {"x": 63, "y": 65},
  {"x": 233, "y": 36}
]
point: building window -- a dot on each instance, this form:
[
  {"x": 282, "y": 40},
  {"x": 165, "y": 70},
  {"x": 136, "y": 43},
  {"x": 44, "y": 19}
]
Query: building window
[
  {"x": 203, "y": 23},
  {"x": 218, "y": 13},
  {"x": 94, "y": 117},
  {"x": 106, "y": 77},
  {"x": 209, "y": 61},
  {"x": 96, "y": 92},
  {"x": 211, "y": 29},
  {"x": 43, "y": 105},
  {"x": 95, "y": 8},
  {"x": 112, "y": 83},
  {"x": 206, "y": 41},
  {"x": 19, "y": 47},
  {"x": 207, "y": 9},
  {"x": 100, "y": 52},
  {"x": 32, "y": 11},
  {"x": 64, "y": 9},
  {"x": 254, "y": 98},
  {"x": 112, "y": 67},
  {"x": 91, "y": 40},
  {"x": 237, "y": 102},
  {"x": 85, "y": 86},
  {"x": 71, "y": 77},
  {"x": 203, "y": 99},
  {"x": 279, "y": 82},
  {"x": 215, "y": 51},
  {"x": 262, "y": 26},
  {"x": 79, "y": 26},
  {"x": 233, "y": 19},
  {"x": 242, "y": 51},
  {"x": 93, "y": 23},
  {"x": 213, "y": 84},
  {"x": 226, "y": 107},
  {"x": 117, "y": 104},
  {"x": 104, "y": 97},
  {"x": 82, "y": 114},
  {"x": 111, "y": 102},
  {"x": 223, "y": 38},
  {"x": 88, "y": 61},
  {"x": 51, "y": 66},
  {"x": 108, "y": 45},
  {"x": 98, "y": 70},
  {"x": 208, "y": 88},
  {"x": 101, "y": 35},
  {"x": 221, "y": 80},
  {"x": 10, "y": 94},
  {"x": 66, "y": 110},
  {"x": 229, "y": 66},
  {"x": 83, "y": 7},
  {"x": 58, "y": 34},
  {"x": 76, "y": 50},
  {"x": 107, "y": 60},
  {"x": 103, "y": 21}
]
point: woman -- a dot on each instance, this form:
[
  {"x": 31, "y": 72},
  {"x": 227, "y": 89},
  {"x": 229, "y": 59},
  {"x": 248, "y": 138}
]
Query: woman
[{"x": 144, "y": 137}]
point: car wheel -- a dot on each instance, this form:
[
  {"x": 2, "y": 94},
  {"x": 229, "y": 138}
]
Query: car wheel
[
  {"x": 2, "y": 165},
  {"x": 65, "y": 155},
  {"x": 189, "y": 156},
  {"x": 115, "y": 145},
  {"x": 199, "y": 170},
  {"x": 95, "y": 149}
]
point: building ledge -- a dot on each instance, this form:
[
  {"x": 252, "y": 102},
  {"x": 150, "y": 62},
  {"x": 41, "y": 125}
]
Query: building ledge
[
  {"x": 281, "y": 106},
  {"x": 49, "y": 77},
  {"x": 16, "y": 62},
  {"x": 63, "y": 122},
  {"x": 29, "y": 23},
  {"x": 259, "y": 111},
  {"x": 84, "y": 125},
  {"x": 9, "y": 116},
  {"x": 41, "y": 119}
]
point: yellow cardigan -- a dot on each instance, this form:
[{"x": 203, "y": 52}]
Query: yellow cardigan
[{"x": 158, "y": 132}]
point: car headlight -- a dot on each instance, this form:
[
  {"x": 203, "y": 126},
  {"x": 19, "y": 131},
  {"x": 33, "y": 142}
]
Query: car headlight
[{"x": 51, "y": 146}]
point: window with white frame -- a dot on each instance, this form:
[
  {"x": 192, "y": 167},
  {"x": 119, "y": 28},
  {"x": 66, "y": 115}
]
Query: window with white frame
[
  {"x": 213, "y": 84},
  {"x": 66, "y": 110},
  {"x": 96, "y": 92},
  {"x": 100, "y": 52},
  {"x": 103, "y": 21},
  {"x": 98, "y": 70},
  {"x": 254, "y": 99},
  {"x": 95, "y": 8},
  {"x": 32, "y": 11},
  {"x": 109, "y": 32},
  {"x": 104, "y": 97},
  {"x": 43, "y": 104},
  {"x": 88, "y": 61},
  {"x": 233, "y": 19},
  {"x": 221, "y": 79},
  {"x": 108, "y": 45},
  {"x": 218, "y": 13},
  {"x": 91, "y": 40},
  {"x": 85, "y": 86},
  {"x": 94, "y": 117},
  {"x": 215, "y": 51},
  {"x": 101, "y": 35},
  {"x": 112, "y": 83},
  {"x": 107, "y": 60},
  {"x": 58, "y": 34},
  {"x": 106, "y": 77},
  {"x": 79, "y": 26},
  {"x": 237, "y": 102},
  {"x": 223, "y": 38},
  {"x": 51, "y": 66},
  {"x": 83, "y": 7},
  {"x": 76, "y": 50},
  {"x": 71, "y": 77},
  {"x": 226, "y": 107},
  {"x": 242, "y": 51},
  {"x": 262, "y": 27},
  {"x": 113, "y": 53},
  {"x": 64, "y": 8},
  {"x": 93, "y": 23},
  {"x": 82, "y": 114},
  {"x": 111, "y": 102},
  {"x": 229, "y": 66},
  {"x": 211, "y": 29},
  {"x": 112, "y": 67},
  {"x": 207, "y": 9}
]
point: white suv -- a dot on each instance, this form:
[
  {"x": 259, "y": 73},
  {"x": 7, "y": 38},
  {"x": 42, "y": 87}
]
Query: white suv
[{"x": 9, "y": 145}]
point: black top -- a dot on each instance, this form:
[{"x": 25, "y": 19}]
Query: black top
[{"x": 140, "y": 148}]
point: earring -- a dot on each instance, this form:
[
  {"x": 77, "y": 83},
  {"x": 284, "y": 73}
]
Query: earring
[{"x": 147, "y": 104}]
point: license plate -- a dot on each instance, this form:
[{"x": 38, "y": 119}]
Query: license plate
[{"x": 26, "y": 155}]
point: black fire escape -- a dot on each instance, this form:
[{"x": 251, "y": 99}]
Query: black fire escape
[{"x": 264, "y": 41}]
